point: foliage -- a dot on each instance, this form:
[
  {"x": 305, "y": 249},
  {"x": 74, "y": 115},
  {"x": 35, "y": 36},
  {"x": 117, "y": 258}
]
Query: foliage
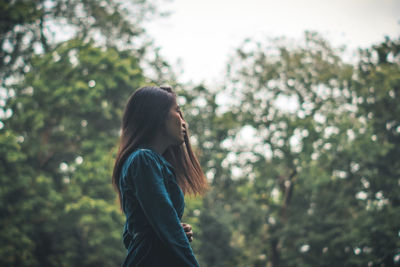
[
  {"x": 66, "y": 117},
  {"x": 32, "y": 27},
  {"x": 59, "y": 126},
  {"x": 301, "y": 149},
  {"x": 313, "y": 182}
]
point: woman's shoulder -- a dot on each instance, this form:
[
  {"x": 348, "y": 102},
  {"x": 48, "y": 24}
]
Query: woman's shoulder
[
  {"x": 144, "y": 152},
  {"x": 140, "y": 157},
  {"x": 144, "y": 156},
  {"x": 150, "y": 154}
]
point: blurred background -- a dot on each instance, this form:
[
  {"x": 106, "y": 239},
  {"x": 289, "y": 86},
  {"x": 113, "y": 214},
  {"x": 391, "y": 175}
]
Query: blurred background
[{"x": 293, "y": 109}]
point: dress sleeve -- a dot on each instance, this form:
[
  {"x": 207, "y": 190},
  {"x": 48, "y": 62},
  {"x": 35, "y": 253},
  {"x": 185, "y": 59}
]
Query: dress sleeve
[{"x": 158, "y": 208}]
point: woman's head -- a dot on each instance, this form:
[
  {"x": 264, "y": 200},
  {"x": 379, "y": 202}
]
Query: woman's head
[
  {"x": 146, "y": 114},
  {"x": 152, "y": 112}
]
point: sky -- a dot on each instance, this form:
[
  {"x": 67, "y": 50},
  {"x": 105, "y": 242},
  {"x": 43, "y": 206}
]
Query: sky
[{"x": 201, "y": 34}]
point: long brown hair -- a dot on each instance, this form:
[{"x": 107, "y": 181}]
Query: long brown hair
[{"x": 145, "y": 115}]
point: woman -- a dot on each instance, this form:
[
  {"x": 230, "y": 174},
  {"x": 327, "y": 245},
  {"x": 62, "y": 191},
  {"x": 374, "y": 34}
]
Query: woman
[{"x": 154, "y": 167}]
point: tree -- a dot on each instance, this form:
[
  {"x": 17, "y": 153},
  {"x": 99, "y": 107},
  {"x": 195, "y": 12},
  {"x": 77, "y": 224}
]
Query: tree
[
  {"x": 32, "y": 27},
  {"x": 60, "y": 125},
  {"x": 66, "y": 129},
  {"x": 312, "y": 170},
  {"x": 308, "y": 183},
  {"x": 208, "y": 127},
  {"x": 377, "y": 88}
]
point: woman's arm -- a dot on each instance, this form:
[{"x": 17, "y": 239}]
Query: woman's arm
[{"x": 158, "y": 208}]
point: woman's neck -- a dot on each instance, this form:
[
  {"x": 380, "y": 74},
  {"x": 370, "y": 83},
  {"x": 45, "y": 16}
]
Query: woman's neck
[{"x": 159, "y": 144}]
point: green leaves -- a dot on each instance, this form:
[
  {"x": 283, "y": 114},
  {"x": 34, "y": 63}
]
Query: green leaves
[
  {"x": 300, "y": 148},
  {"x": 319, "y": 160},
  {"x": 57, "y": 156}
]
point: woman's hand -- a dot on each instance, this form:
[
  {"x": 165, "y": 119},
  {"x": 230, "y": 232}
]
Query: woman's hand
[{"x": 188, "y": 231}]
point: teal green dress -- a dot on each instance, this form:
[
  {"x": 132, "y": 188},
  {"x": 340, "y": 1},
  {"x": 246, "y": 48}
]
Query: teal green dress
[{"x": 153, "y": 204}]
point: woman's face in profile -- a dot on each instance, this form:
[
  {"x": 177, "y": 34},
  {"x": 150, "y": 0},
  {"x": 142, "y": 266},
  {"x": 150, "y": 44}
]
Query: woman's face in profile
[{"x": 175, "y": 125}]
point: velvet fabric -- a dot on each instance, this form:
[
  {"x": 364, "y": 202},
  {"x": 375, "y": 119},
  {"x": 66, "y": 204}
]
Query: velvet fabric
[{"x": 153, "y": 204}]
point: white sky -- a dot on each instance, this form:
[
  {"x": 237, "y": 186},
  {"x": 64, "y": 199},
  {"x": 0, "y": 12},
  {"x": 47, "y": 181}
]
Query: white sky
[{"x": 202, "y": 33}]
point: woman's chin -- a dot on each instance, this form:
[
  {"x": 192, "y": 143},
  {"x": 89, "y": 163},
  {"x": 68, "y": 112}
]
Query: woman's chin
[
  {"x": 182, "y": 140},
  {"x": 178, "y": 142}
]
